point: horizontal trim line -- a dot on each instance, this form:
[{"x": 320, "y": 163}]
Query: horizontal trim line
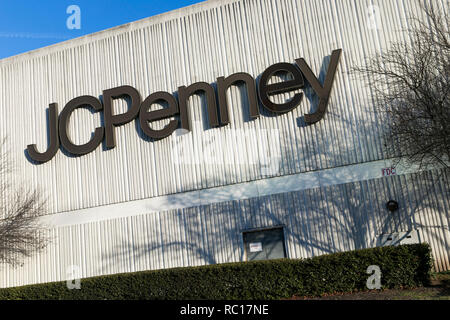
[{"x": 246, "y": 190}]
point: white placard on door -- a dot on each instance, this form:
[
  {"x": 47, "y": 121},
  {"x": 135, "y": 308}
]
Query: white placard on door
[{"x": 255, "y": 247}]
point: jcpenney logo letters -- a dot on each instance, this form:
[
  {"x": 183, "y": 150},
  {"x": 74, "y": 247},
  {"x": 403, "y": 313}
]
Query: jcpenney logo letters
[{"x": 217, "y": 106}]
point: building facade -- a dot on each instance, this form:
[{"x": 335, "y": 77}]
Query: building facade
[{"x": 209, "y": 180}]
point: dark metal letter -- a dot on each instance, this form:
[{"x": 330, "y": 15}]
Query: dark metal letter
[
  {"x": 183, "y": 95},
  {"x": 53, "y": 135},
  {"x": 116, "y": 120},
  {"x": 322, "y": 92},
  {"x": 224, "y": 83},
  {"x": 97, "y": 138},
  {"x": 271, "y": 89},
  {"x": 145, "y": 116}
]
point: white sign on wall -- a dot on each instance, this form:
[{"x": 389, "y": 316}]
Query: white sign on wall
[{"x": 256, "y": 247}]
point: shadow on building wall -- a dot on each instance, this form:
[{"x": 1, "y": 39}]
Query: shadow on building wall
[{"x": 317, "y": 221}]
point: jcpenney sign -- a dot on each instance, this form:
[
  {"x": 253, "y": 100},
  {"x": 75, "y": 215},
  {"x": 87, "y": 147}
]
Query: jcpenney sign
[{"x": 217, "y": 106}]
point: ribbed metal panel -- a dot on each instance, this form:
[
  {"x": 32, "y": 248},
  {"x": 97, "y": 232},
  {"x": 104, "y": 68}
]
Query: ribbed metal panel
[
  {"x": 316, "y": 221},
  {"x": 201, "y": 43}
]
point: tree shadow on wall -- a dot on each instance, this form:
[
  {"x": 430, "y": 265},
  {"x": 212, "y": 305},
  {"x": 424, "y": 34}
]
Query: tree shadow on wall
[
  {"x": 321, "y": 220},
  {"x": 316, "y": 221}
]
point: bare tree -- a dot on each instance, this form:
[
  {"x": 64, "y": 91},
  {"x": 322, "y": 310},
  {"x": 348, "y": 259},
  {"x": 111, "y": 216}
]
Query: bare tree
[
  {"x": 411, "y": 86},
  {"x": 21, "y": 234}
]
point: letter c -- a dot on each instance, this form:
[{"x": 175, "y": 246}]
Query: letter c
[{"x": 99, "y": 132}]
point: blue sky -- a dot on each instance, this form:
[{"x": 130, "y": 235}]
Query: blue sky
[{"x": 28, "y": 25}]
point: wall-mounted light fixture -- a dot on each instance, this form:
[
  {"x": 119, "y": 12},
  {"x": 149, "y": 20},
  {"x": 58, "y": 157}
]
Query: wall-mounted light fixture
[{"x": 392, "y": 205}]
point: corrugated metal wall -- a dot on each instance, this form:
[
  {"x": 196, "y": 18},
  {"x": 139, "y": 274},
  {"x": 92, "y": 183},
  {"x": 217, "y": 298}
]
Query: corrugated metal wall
[
  {"x": 317, "y": 221},
  {"x": 201, "y": 43}
]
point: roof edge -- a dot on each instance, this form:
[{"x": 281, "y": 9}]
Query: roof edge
[{"x": 99, "y": 35}]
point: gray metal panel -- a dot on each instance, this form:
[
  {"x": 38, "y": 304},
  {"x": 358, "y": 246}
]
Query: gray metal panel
[
  {"x": 198, "y": 43},
  {"x": 316, "y": 221},
  {"x": 164, "y": 52}
]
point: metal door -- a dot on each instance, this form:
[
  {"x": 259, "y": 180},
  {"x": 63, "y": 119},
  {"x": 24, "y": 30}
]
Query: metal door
[{"x": 265, "y": 244}]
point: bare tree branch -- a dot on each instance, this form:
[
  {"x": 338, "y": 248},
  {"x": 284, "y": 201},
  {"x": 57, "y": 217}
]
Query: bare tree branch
[
  {"x": 411, "y": 87},
  {"x": 21, "y": 235}
]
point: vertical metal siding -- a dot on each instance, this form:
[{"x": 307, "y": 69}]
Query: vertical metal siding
[
  {"x": 316, "y": 221},
  {"x": 197, "y": 44},
  {"x": 201, "y": 43}
]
